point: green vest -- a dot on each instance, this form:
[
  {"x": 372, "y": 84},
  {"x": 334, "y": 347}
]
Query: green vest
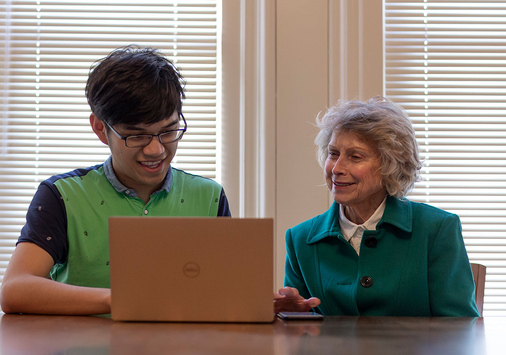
[{"x": 89, "y": 202}]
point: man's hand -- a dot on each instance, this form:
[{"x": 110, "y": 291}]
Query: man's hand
[
  {"x": 288, "y": 299},
  {"x": 27, "y": 289}
]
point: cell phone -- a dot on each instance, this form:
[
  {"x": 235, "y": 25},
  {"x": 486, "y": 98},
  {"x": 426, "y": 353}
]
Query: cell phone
[{"x": 300, "y": 316}]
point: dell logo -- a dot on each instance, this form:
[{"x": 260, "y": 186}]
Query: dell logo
[{"x": 191, "y": 269}]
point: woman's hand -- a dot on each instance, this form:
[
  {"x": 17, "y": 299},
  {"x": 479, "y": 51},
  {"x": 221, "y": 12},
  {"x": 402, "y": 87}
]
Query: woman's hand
[{"x": 288, "y": 299}]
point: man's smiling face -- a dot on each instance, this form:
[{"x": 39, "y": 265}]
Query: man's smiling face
[{"x": 144, "y": 168}]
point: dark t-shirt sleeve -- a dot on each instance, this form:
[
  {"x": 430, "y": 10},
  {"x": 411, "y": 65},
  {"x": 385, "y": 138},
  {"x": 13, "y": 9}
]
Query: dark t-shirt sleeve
[
  {"x": 223, "y": 208},
  {"x": 46, "y": 222}
]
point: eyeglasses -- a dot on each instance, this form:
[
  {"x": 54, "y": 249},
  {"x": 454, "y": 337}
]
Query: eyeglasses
[{"x": 143, "y": 140}]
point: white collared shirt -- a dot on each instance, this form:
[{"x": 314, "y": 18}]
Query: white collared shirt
[{"x": 353, "y": 232}]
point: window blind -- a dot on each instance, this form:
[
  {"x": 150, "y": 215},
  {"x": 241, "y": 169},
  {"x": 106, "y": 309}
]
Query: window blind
[
  {"x": 46, "y": 52},
  {"x": 445, "y": 63}
]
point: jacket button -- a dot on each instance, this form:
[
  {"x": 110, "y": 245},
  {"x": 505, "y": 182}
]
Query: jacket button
[
  {"x": 371, "y": 242},
  {"x": 366, "y": 281}
]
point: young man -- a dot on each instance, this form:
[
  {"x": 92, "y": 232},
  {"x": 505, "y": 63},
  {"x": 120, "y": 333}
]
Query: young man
[{"x": 61, "y": 261}]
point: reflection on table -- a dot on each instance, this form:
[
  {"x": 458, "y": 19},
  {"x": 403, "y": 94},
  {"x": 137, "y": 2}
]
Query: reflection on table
[{"x": 32, "y": 334}]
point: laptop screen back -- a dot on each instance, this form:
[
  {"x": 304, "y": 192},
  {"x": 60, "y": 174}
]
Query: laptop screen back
[{"x": 187, "y": 269}]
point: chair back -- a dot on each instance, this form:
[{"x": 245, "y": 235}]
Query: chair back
[{"x": 479, "y": 272}]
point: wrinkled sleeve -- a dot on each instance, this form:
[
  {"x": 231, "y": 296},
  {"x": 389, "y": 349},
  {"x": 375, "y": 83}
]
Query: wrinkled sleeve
[
  {"x": 451, "y": 283},
  {"x": 293, "y": 274}
]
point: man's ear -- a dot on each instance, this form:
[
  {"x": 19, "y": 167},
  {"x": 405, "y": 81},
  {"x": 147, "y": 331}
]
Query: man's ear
[{"x": 99, "y": 128}]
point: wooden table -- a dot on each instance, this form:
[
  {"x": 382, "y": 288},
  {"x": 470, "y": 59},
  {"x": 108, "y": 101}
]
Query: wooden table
[{"x": 31, "y": 334}]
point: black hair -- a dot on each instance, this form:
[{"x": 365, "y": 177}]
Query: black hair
[{"x": 134, "y": 85}]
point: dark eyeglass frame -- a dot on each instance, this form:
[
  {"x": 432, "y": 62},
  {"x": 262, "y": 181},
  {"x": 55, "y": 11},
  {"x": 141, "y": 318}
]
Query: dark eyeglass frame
[{"x": 125, "y": 138}]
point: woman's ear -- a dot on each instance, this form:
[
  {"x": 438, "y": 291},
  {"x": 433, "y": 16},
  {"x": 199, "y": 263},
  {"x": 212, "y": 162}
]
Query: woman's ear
[{"x": 99, "y": 128}]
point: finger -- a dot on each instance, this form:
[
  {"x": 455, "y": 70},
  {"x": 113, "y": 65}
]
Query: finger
[
  {"x": 313, "y": 302},
  {"x": 289, "y": 292},
  {"x": 277, "y": 295}
]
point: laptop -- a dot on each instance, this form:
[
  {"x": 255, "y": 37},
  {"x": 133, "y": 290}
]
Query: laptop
[{"x": 187, "y": 269}]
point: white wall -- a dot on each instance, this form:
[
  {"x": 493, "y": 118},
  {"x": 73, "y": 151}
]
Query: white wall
[
  {"x": 285, "y": 62},
  {"x": 302, "y": 85}
]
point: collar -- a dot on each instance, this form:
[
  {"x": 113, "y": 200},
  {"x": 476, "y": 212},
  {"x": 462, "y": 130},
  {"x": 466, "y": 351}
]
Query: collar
[
  {"x": 122, "y": 189},
  {"x": 398, "y": 213}
]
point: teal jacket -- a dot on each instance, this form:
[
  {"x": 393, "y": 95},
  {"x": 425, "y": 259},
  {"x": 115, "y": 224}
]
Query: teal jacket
[{"x": 414, "y": 264}]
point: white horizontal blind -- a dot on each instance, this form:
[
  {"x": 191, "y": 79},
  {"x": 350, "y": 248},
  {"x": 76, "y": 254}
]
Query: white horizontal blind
[
  {"x": 46, "y": 50},
  {"x": 446, "y": 65}
]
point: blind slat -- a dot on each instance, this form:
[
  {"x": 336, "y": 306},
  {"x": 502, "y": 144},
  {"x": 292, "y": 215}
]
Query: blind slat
[
  {"x": 45, "y": 56},
  {"x": 445, "y": 63}
]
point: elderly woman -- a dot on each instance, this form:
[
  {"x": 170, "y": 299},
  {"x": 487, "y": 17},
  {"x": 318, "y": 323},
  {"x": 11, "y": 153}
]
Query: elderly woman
[{"x": 374, "y": 252}]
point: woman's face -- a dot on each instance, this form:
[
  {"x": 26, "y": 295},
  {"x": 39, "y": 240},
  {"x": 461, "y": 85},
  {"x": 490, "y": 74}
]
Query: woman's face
[{"x": 352, "y": 171}]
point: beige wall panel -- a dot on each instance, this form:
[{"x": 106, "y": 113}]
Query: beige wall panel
[
  {"x": 302, "y": 92},
  {"x": 231, "y": 105},
  {"x": 355, "y": 49}
]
